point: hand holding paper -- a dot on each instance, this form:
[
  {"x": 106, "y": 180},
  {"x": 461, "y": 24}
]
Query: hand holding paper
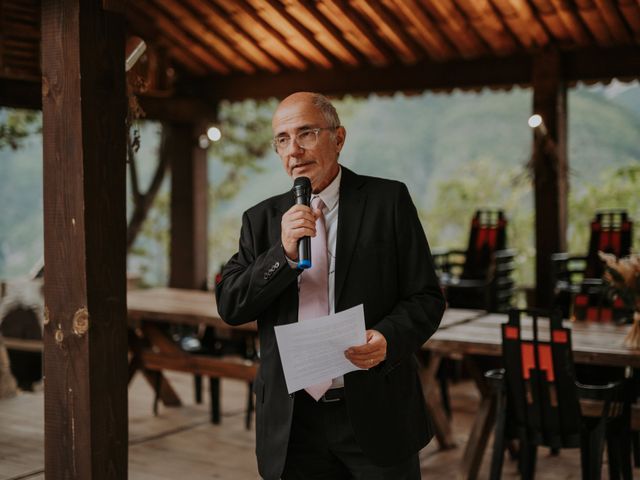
[{"x": 314, "y": 350}]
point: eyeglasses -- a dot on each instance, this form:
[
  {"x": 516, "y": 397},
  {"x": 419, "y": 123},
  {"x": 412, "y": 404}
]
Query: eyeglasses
[{"x": 306, "y": 139}]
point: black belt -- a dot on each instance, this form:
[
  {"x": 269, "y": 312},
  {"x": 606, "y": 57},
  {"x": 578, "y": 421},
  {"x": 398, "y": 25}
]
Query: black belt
[{"x": 333, "y": 395}]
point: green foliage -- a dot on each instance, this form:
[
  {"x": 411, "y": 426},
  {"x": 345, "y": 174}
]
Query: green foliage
[
  {"x": 16, "y": 126},
  {"x": 246, "y": 138},
  {"x": 484, "y": 184}
]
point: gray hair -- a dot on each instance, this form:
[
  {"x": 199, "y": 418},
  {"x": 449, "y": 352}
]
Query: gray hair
[{"x": 327, "y": 109}]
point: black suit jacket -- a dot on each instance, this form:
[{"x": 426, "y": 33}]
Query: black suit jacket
[{"x": 382, "y": 261}]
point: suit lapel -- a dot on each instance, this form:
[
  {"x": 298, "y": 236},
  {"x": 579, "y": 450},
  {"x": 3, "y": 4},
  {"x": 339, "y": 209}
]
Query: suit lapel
[{"x": 352, "y": 203}]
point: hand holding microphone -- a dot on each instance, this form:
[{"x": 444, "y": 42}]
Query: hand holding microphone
[{"x": 299, "y": 224}]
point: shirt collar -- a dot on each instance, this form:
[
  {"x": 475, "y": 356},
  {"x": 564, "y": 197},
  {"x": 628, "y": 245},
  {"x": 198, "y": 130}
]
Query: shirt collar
[{"x": 330, "y": 194}]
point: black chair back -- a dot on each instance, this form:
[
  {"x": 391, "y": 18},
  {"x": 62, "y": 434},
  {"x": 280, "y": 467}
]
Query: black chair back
[
  {"x": 541, "y": 379},
  {"x": 611, "y": 232},
  {"x": 487, "y": 235}
]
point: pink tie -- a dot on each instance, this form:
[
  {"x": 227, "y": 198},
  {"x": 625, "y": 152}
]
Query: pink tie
[{"x": 314, "y": 286}]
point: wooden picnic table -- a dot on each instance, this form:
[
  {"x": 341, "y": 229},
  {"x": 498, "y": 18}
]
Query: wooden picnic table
[
  {"x": 149, "y": 312},
  {"x": 593, "y": 343},
  {"x": 153, "y": 351}
]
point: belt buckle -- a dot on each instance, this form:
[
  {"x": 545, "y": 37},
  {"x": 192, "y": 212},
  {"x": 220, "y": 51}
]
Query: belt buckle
[{"x": 325, "y": 399}]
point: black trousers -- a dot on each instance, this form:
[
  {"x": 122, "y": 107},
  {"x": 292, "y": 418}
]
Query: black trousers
[{"x": 322, "y": 446}]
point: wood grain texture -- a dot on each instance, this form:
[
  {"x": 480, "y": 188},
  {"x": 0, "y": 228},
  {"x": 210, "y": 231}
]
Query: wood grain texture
[{"x": 84, "y": 107}]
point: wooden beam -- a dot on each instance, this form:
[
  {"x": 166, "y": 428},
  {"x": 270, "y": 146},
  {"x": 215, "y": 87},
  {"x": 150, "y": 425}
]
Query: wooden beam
[
  {"x": 20, "y": 94},
  {"x": 206, "y": 36},
  {"x": 550, "y": 169},
  {"x": 426, "y": 32},
  {"x": 188, "y": 251},
  {"x": 356, "y": 30},
  {"x": 214, "y": 18},
  {"x": 268, "y": 38},
  {"x": 178, "y": 109},
  {"x": 85, "y": 331},
  {"x": 388, "y": 28},
  {"x": 298, "y": 35},
  {"x": 325, "y": 31},
  {"x": 588, "y": 65}
]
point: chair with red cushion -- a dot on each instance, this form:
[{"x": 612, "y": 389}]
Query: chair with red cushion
[
  {"x": 578, "y": 284},
  {"x": 480, "y": 276}
]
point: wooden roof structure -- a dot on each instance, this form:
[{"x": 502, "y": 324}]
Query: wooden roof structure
[
  {"x": 67, "y": 57},
  {"x": 234, "y": 49}
]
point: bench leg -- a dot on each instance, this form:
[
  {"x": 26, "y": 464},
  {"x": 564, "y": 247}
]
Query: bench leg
[
  {"x": 214, "y": 387},
  {"x": 197, "y": 388},
  {"x": 250, "y": 407}
]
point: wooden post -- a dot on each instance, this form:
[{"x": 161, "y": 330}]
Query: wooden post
[
  {"x": 188, "y": 252},
  {"x": 550, "y": 166},
  {"x": 85, "y": 334}
]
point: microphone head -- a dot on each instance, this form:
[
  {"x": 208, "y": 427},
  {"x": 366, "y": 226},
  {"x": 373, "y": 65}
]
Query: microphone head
[
  {"x": 302, "y": 182},
  {"x": 302, "y": 188}
]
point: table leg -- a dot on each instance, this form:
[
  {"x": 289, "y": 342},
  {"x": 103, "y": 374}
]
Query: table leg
[
  {"x": 168, "y": 395},
  {"x": 482, "y": 426},
  {"x": 441, "y": 421}
]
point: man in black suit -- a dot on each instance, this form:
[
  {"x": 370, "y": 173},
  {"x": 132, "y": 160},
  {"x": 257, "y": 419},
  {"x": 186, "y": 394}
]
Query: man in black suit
[{"x": 371, "y": 423}]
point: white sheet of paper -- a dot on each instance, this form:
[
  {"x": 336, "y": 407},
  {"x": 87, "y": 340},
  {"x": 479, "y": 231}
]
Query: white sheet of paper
[{"x": 312, "y": 351}]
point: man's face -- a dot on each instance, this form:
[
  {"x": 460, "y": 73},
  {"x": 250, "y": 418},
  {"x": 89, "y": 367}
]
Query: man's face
[{"x": 320, "y": 163}]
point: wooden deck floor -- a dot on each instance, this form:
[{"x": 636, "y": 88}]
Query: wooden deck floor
[{"x": 180, "y": 443}]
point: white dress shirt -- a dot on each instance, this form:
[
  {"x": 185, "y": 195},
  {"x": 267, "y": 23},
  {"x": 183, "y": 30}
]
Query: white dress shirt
[{"x": 330, "y": 196}]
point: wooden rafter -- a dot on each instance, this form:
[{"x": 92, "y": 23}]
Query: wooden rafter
[
  {"x": 422, "y": 28},
  {"x": 389, "y": 29},
  {"x": 456, "y": 28},
  {"x": 142, "y": 26},
  {"x": 594, "y": 21},
  {"x": 356, "y": 31},
  {"x": 552, "y": 21},
  {"x": 169, "y": 28},
  {"x": 266, "y": 36},
  {"x": 214, "y": 19},
  {"x": 324, "y": 31},
  {"x": 488, "y": 25},
  {"x": 572, "y": 21},
  {"x": 211, "y": 41},
  {"x": 613, "y": 20},
  {"x": 298, "y": 36},
  {"x": 631, "y": 11},
  {"x": 523, "y": 22},
  {"x": 585, "y": 65}
]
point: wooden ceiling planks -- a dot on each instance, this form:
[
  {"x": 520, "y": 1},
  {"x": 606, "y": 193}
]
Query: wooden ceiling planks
[
  {"x": 489, "y": 26},
  {"x": 631, "y": 11},
  {"x": 390, "y": 30},
  {"x": 613, "y": 19},
  {"x": 356, "y": 31},
  {"x": 212, "y": 38},
  {"x": 214, "y": 19},
  {"x": 523, "y": 23},
  {"x": 456, "y": 28},
  {"x": 572, "y": 21},
  {"x": 205, "y": 36},
  {"x": 595, "y": 22},
  {"x": 296, "y": 34},
  {"x": 324, "y": 31},
  {"x": 264, "y": 34},
  {"x": 146, "y": 29},
  {"x": 422, "y": 28},
  {"x": 167, "y": 26},
  {"x": 20, "y": 39}
]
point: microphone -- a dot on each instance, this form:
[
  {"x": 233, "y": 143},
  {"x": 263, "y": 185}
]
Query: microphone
[{"x": 302, "y": 195}]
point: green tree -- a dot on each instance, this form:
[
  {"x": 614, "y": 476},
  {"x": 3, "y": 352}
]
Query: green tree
[{"x": 17, "y": 125}]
